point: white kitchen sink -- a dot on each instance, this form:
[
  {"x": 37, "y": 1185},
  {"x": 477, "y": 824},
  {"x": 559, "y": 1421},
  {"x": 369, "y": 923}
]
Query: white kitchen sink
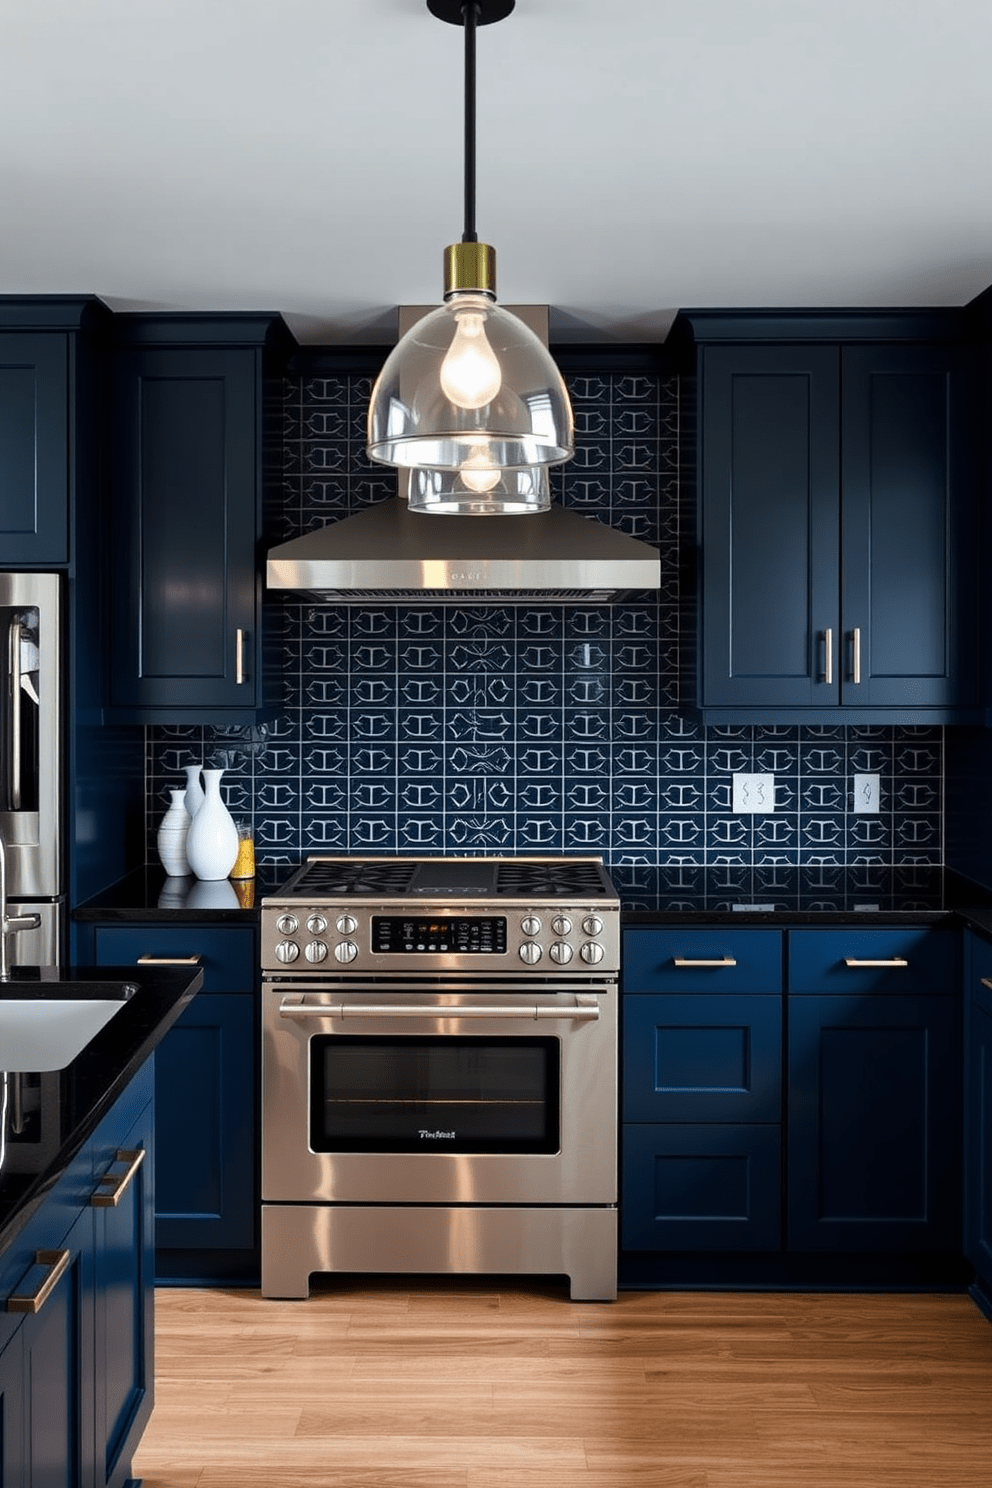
[{"x": 47, "y": 1031}]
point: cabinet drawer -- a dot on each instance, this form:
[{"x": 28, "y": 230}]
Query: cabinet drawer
[
  {"x": 227, "y": 956},
  {"x": 846, "y": 961},
  {"x": 716, "y": 960},
  {"x": 701, "y": 1188},
  {"x": 702, "y": 1058}
]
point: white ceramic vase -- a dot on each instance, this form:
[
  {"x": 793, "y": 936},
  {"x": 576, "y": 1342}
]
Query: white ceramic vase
[
  {"x": 194, "y": 790},
  {"x": 172, "y": 834},
  {"x": 212, "y": 841}
]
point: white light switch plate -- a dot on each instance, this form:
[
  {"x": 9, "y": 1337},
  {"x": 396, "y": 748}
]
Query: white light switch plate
[
  {"x": 866, "y": 794},
  {"x": 754, "y": 793}
]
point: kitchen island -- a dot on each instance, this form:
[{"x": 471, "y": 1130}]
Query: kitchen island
[{"x": 76, "y": 1238}]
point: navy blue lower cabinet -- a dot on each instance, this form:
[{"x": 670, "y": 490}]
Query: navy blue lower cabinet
[
  {"x": 124, "y": 1265},
  {"x": 701, "y": 1187},
  {"x": 703, "y": 1058},
  {"x": 874, "y": 1125},
  {"x": 12, "y": 1410},
  {"x": 205, "y": 1141},
  {"x": 206, "y": 1102},
  {"x": 978, "y": 1128}
]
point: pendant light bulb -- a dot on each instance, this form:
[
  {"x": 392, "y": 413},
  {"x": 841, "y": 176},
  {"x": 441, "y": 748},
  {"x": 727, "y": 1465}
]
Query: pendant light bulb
[
  {"x": 470, "y": 373},
  {"x": 478, "y": 473}
]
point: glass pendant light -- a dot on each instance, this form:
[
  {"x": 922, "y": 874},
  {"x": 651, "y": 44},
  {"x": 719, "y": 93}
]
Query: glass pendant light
[{"x": 470, "y": 400}]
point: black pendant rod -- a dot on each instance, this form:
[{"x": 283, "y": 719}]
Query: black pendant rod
[{"x": 470, "y": 18}]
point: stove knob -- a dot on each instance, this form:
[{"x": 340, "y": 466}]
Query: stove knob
[
  {"x": 561, "y": 952},
  {"x": 592, "y": 925},
  {"x": 592, "y": 952},
  {"x": 287, "y": 950},
  {"x": 561, "y": 925},
  {"x": 347, "y": 950},
  {"x": 530, "y": 952},
  {"x": 531, "y": 925},
  {"x": 287, "y": 924},
  {"x": 347, "y": 924},
  {"x": 316, "y": 923},
  {"x": 316, "y": 950}
]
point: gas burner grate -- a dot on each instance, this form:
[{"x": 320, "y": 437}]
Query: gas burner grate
[
  {"x": 538, "y": 880},
  {"x": 337, "y": 879}
]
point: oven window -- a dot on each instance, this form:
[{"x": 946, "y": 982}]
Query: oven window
[{"x": 434, "y": 1094}]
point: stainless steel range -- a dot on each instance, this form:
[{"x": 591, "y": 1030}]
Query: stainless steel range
[{"x": 439, "y": 1070}]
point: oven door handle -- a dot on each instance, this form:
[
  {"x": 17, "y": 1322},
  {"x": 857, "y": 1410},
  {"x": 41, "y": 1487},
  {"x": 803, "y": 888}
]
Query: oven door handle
[{"x": 577, "y": 1013}]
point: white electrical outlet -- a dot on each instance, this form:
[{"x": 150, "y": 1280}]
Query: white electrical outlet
[
  {"x": 866, "y": 794},
  {"x": 754, "y": 793}
]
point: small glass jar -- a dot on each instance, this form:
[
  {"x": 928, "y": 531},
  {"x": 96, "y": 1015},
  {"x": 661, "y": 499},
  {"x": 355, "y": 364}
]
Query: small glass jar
[{"x": 244, "y": 865}]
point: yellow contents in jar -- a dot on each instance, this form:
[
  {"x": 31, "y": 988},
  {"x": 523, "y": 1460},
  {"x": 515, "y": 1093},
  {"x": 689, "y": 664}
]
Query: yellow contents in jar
[{"x": 244, "y": 864}]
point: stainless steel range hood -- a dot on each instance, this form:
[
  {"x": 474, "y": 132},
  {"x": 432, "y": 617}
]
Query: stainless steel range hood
[{"x": 390, "y": 555}]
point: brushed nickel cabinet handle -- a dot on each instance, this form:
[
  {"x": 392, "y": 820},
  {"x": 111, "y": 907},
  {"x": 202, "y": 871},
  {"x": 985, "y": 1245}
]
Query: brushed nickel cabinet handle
[
  {"x": 828, "y": 656},
  {"x": 704, "y": 961},
  {"x": 892, "y": 961},
  {"x": 856, "y": 655},
  {"x": 57, "y": 1261},
  {"x": 146, "y": 960},
  {"x": 14, "y": 766},
  {"x": 987, "y": 983},
  {"x": 118, "y": 1183},
  {"x": 239, "y": 658}
]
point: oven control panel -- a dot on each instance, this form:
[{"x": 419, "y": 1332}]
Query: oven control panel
[
  {"x": 547, "y": 938},
  {"x": 464, "y": 935}
]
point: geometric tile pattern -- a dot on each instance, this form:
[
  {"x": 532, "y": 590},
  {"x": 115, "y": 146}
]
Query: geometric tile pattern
[{"x": 532, "y": 729}]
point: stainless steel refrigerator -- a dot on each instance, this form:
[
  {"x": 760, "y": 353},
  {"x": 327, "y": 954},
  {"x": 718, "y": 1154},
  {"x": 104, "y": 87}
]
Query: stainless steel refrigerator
[{"x": 31, "y": 754}]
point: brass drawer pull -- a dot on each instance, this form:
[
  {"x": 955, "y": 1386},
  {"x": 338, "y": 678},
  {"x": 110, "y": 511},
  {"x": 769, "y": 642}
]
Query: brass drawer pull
[
  {"x": 57, "y": 1262},
  {"x": 704, "y": 961},
  {"x": 170, "y": 960},
  {"x": 893, "y": 961},
  {"x": 118, "y": 1183},
  {"x": 987, "y": 983}
]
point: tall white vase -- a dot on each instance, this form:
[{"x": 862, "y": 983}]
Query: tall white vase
[
  {"x": 172, "y": 834},
  {"x": 212, "y": 841},
  {"x": 194, "y": 790}
]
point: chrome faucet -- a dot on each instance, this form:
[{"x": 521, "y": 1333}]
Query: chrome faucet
[{"x": 9, "y": 922}]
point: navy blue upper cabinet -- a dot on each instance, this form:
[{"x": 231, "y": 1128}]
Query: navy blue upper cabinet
[
  {"x": 191, "y": 462},
  {"x": 835, "y": 508},
  {"x": 34, "y": 452},
  {"x": 51, "y": 396}
]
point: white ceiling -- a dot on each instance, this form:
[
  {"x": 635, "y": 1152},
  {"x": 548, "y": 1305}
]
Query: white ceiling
[{"x": 634, "y": 156}]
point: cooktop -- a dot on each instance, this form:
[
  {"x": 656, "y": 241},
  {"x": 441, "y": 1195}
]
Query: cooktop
[{"x": 484, "y": 878}]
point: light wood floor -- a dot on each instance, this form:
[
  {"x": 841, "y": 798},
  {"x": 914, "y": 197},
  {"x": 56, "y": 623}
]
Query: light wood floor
[{"x": 404, "y": 1384}]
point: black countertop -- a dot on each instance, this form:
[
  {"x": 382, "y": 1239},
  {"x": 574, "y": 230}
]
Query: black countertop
[
  {"x": 64, "y": 1107},
  {"x": 766, "y": 894}
]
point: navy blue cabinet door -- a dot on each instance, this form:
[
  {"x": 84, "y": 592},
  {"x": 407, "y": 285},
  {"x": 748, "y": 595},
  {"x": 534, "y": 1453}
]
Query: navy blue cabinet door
[
  {"x": 907, "y": 514},
  {"x": 58, "y": 1372},
  {"x": 698, "y": 1057},
  {"x": 770, "y": 542},
  {"x": 978, "y": 1136},
  {"x": 701, "y": 1187},
  {"x": 205, "y": 1132},
  {"x": 34, "y": 452},
  {"x": 185, "y": 587},
  {"x": 873, "y": 1132},
  {"x": 12, "y": 1412},
  {"x": 123, "y": 1272}
]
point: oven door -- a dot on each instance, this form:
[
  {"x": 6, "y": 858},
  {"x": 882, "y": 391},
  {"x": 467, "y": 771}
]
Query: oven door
[{"x": 471, "y": 1096}]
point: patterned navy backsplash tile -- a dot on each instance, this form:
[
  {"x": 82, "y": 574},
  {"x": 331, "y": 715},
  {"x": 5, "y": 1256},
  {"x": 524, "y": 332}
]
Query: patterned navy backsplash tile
[{"x": 533, "y": 729}]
